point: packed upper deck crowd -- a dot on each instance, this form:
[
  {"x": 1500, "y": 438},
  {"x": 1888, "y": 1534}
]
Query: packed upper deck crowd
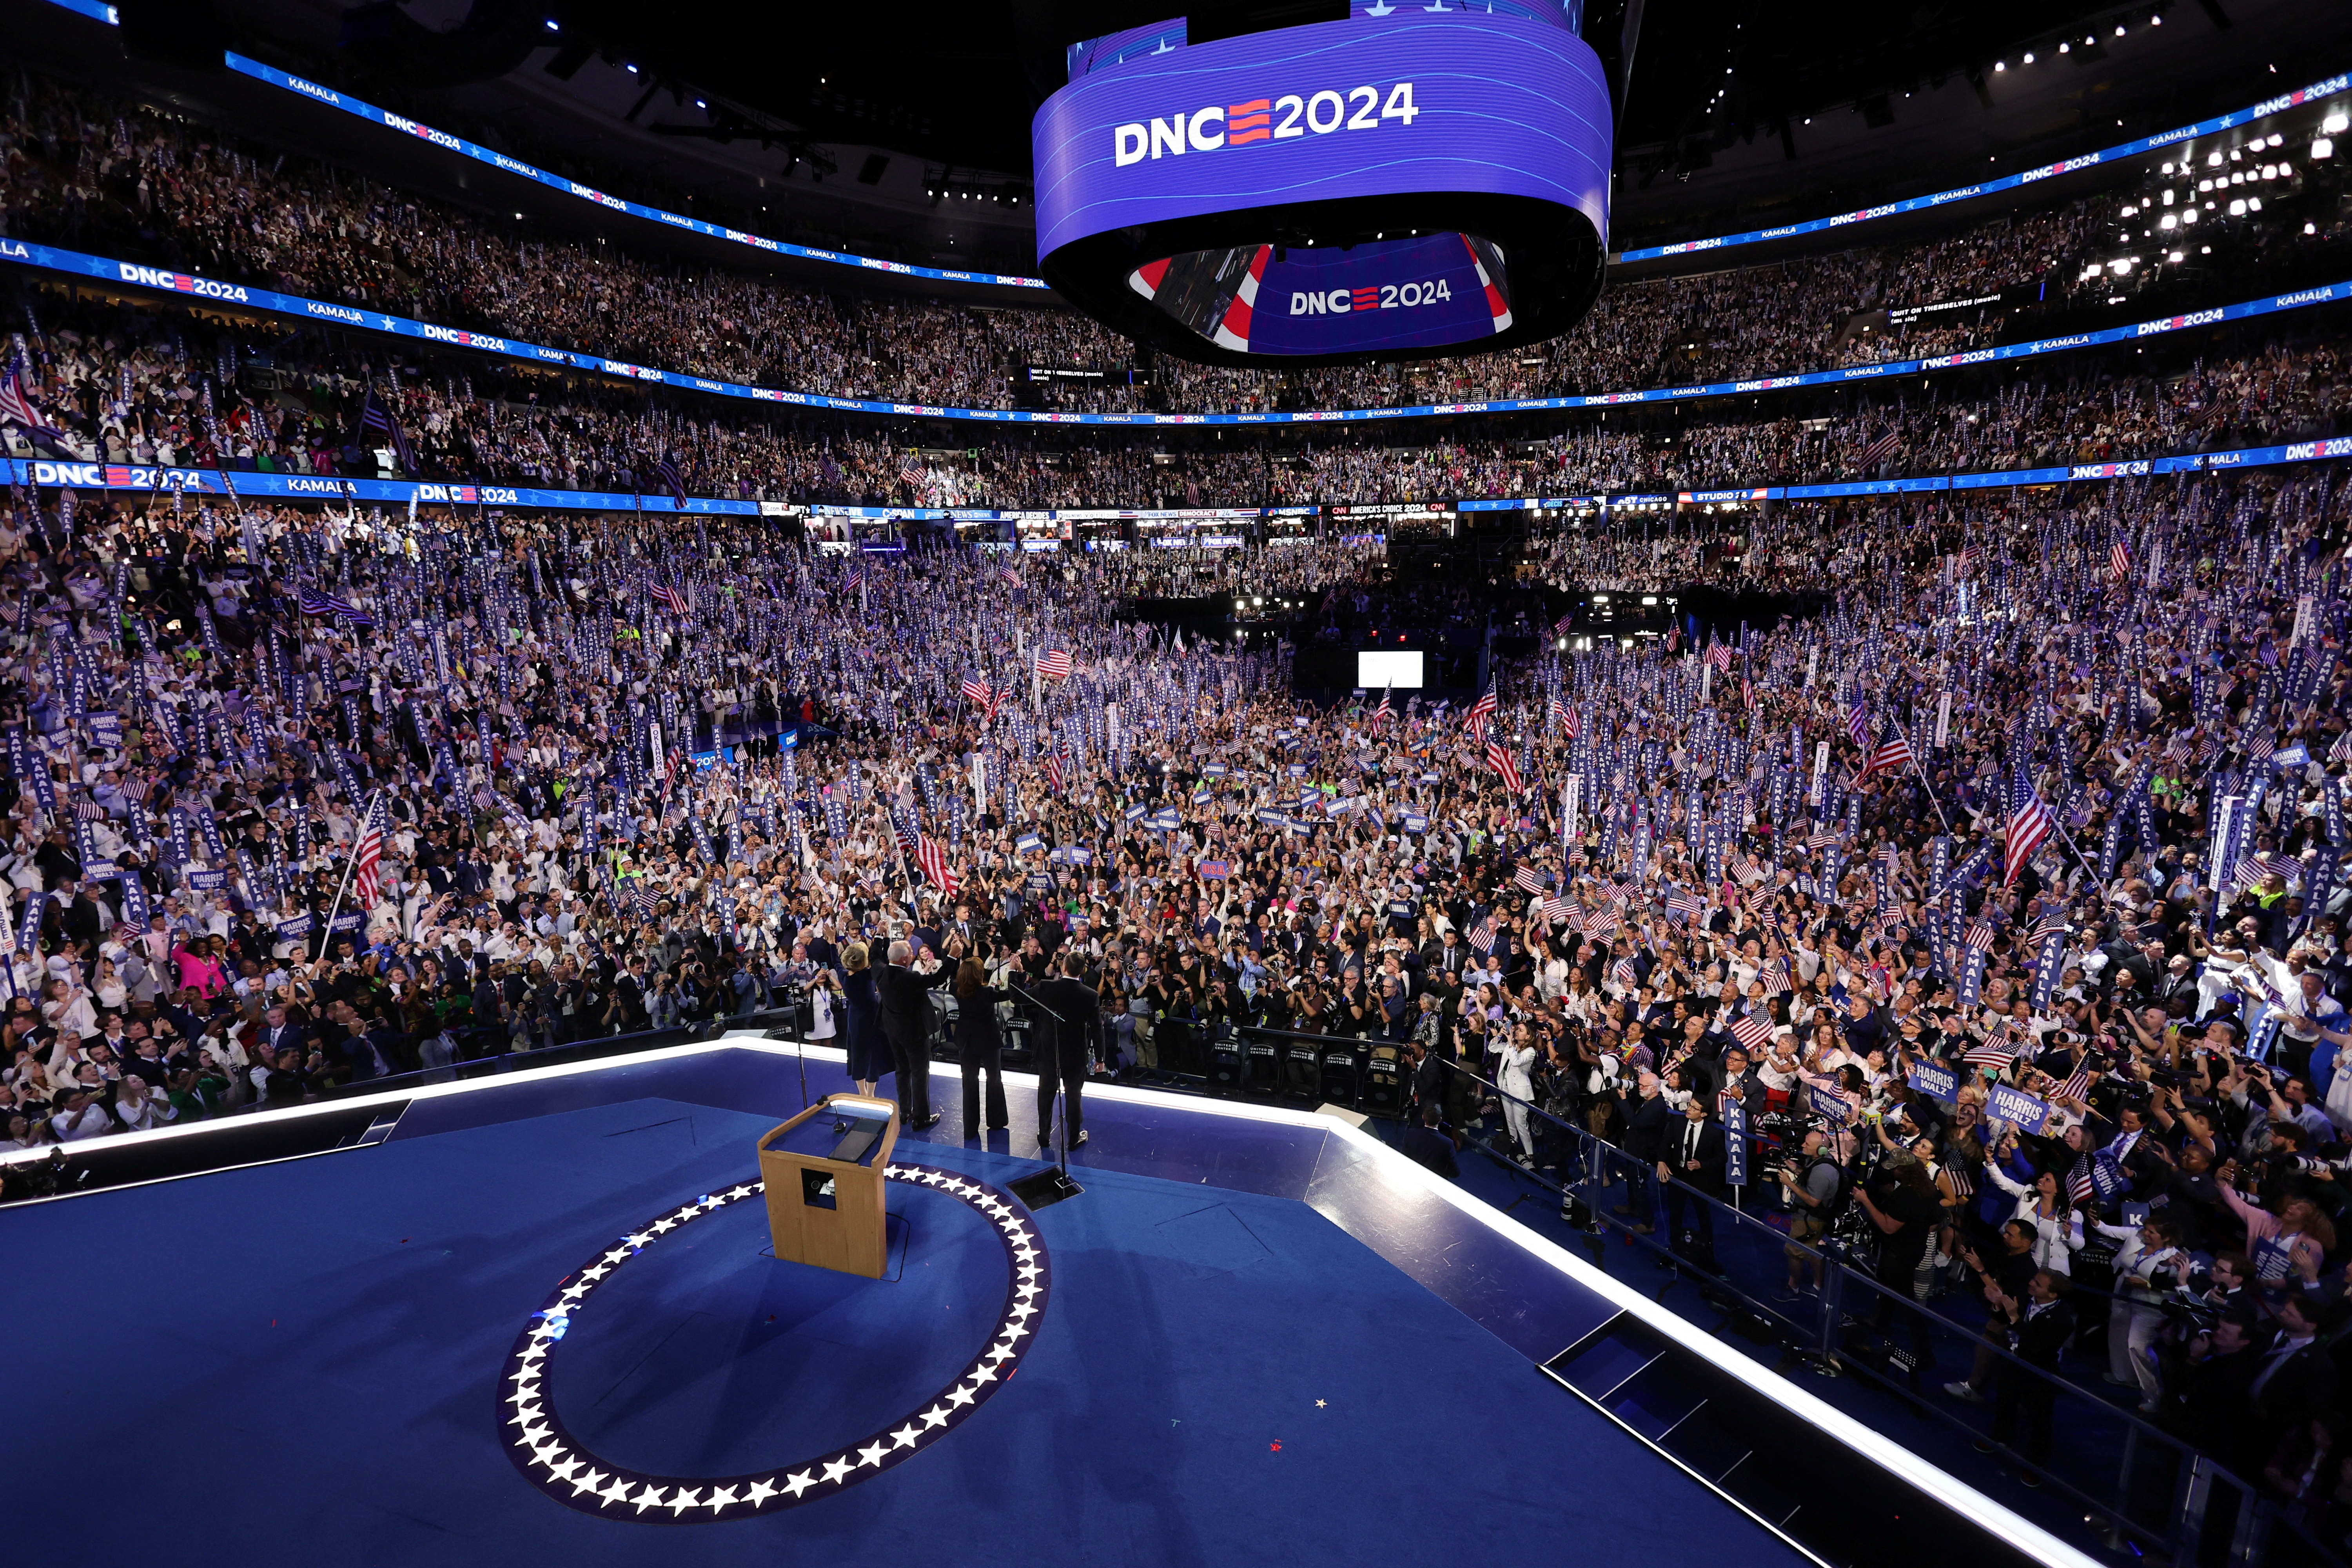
[{"x": 80, "y": 169}]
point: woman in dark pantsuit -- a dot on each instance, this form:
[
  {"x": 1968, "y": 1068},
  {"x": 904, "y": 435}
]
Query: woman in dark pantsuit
[
  {"x": 869, "y": 1052},
  {"x": 980, "y": 1045}
]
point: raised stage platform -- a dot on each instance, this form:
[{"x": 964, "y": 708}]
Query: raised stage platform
[{"x": 536, "y": 1319}]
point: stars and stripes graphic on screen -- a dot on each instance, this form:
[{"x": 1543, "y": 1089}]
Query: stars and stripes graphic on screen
[
  {"x": 1752, "y": 1030},
  {"x": 976, "y": 692},
  {"x": 1387, "y": 710},
  {"x": 2119, "y": 559},
  {"x": 1482, "y": 935},
  {"x": 1480, "y": 713},
  {"x": 366, "y": 857},
  {"x": 1053, "y": 663},
  {"x": 934, "y": 862},
  {"x": 2029, "y": 828},
  {"x": 1501, "y": 761}
]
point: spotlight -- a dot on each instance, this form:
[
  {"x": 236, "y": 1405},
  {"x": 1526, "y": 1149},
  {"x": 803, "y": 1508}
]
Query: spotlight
[
  {"x": 2028, "y": 57},
  {"x": 633, "y": 70},
  {"x": 2000, "y": 65},
  {"x": 2336, "y": 123},
  {"x": 552, "y": 26},
  {"x": 2119, "y": 29},
  {"x": 2322, "y": 147},
  {"x": 2066, "y": 49}
]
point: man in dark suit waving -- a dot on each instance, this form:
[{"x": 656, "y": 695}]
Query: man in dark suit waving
[
  {"x": 1063, "y": 1062},
  {"x": 1694, "y": 1156},
  {"x": 907, "y": 1024}
]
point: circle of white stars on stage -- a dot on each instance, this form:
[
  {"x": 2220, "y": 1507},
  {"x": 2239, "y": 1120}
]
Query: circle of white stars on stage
[{"x": 543, "y": 1450}]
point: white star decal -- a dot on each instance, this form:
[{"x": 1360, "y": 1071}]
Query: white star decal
[{"x": 545, "y": 1452}]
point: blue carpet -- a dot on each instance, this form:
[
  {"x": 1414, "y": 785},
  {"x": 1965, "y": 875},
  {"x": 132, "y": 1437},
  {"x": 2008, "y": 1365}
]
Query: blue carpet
[{"x": 296, "y": 1363}]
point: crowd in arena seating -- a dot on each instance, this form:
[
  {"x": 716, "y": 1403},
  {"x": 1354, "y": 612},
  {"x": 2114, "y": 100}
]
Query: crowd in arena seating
[
  {"x": 524, "y": 709},
  {"x": 301, "y": 798},
  {"x": 120, "y": 385},
  {"x": 80, "y": 170}
]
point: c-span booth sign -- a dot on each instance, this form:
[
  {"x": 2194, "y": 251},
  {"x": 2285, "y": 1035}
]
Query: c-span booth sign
[{"x": 1408, "y": 182}]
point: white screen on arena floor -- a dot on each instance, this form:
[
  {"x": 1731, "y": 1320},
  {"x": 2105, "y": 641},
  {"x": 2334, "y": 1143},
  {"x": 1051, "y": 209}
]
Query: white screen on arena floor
[{"x": 1376, "y": 670}]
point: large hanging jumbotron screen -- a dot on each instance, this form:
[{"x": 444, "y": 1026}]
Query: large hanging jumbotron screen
[{"x": 1412, "y": 180}]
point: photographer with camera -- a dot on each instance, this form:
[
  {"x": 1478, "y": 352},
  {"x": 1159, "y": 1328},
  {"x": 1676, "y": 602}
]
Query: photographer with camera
[{"x": 1818, "y": 1189}]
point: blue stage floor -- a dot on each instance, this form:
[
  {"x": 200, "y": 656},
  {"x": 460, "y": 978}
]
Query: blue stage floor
[{"x": 300, "y": 1362}]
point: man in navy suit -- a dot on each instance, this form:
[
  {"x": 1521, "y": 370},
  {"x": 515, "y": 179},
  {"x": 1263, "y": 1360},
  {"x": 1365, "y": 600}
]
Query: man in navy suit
[{"x": 1693, "y": 1154}]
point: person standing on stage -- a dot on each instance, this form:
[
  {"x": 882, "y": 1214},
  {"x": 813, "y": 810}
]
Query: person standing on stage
[
  {"x": 869, "y": 1055},
  {"x": 1062, "y": 1062},
  {"x": 906, "y": 1026},
  {"x": 980, "y": 1045}
]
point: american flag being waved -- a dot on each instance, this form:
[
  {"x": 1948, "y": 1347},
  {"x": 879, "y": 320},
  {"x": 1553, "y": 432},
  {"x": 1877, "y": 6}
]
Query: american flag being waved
[
  {"x": 365, "y": 860},
  {"x": 1053, "y": 663},
  {"x": 934, "y": 862},
  {"x": 2029, "y": 827},
  {"x": 1481, "y": 711},
  {"x": 1499, "y": 759}
]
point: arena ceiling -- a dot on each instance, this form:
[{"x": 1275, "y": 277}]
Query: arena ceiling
[{"x": 909, "y": 123}]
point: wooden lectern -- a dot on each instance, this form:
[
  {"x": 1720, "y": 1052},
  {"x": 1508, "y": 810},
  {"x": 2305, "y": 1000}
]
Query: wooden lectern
[{"x": 827, "y": 1209}]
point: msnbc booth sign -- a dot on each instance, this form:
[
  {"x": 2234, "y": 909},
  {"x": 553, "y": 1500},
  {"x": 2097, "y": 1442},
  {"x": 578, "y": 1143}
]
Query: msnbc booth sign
[{"x": 1407, "y": 181}]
